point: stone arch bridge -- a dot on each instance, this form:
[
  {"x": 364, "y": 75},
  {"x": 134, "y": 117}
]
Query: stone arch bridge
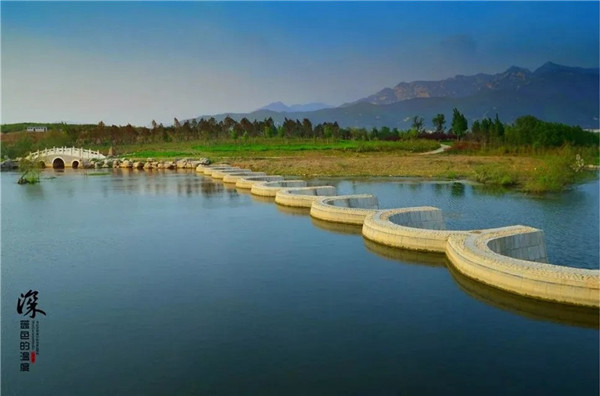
[{"x": 64, "y": 157}]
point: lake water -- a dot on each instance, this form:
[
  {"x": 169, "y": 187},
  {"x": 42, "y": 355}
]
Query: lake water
[{"x": 170, "y": 283}]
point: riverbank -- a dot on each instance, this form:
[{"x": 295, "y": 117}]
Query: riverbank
[
  {"x": 522, "y": 168},
  {"x": 550, "y": 170}
]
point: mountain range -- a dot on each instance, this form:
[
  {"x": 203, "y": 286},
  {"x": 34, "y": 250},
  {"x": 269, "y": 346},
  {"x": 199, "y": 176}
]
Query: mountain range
[
  {"x": 299, "y": 108},
  {"x": 553, "y": 92}
]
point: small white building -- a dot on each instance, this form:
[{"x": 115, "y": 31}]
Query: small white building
[{"x": 37, "y": 129}]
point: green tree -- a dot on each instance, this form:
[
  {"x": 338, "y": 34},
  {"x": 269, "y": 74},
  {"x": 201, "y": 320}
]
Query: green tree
[
  {"x": 418, "y": 124},
  {"x": 498, "y": 127},
  {"x": 281, "y": 131},
  {"x": 439, "y": 121},
  {"x": 307, "y": 128},
  {"x": 328, "y": 131},
  {"x": 270, "y": 130},
  {"x": 459, "y": 123}
]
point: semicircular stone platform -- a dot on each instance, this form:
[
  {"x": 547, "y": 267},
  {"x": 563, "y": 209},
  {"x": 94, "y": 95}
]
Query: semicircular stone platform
[
  {"x": 233, "y": 177},
  {"x": 303, "y": 197},
  {"x": 346, "y": 209},
  {"x": 248, "y": 181},
  {"x": 270, "y": 188}
]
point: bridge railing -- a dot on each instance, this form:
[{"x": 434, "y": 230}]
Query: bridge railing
[{"x": 73, "y": 151}]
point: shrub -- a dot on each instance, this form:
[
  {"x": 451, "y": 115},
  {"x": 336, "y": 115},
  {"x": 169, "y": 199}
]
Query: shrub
[
  {"x": 30, "y": 172},
  {"x": 496, "y": 174},
  {"x": 558, "y": 171}
]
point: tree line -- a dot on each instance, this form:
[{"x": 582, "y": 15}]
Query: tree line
[
  {"x": 227, "y": 129},
  {"x": 526, "y": 130}
]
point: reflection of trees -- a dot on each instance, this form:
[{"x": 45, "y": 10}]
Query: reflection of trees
[
  {"x": 490, "y": 190},
  {"x": 233, "y": 193},
  {"x": 34, "y": 191},
  {"x": 415, "y": 186},
  {"x": 457, "y": 190},
  {"x": 209, "y": 187}
]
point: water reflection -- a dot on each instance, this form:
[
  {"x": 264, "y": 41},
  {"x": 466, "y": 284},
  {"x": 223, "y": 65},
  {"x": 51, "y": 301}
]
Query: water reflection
[
  {"x": 337, "y": 228},
  {"x": 209, "y": 187},
  {"x": 524, "y": 306},
  {"x": 438, "y": 189},
  {"x": 414, "y": 186},
  {"x": 490, "y": 190},
  {"x": 33, "y": 191},
  {"x": 528, "y": 307},
  {"x": 406, "y": 256},
  {"x": 458, "y": 189},
  {"x": 261, "y": 199},
  {"x": 293, "y": 211},
  {"x": 285, "y": 294}
]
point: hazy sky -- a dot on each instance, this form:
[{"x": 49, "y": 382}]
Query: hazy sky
[{"x": 131, "y": 62}]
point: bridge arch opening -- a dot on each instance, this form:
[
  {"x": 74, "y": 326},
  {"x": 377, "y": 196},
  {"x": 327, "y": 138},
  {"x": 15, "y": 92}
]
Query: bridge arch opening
[
  {"x": 75, "y": 164},
  {"x": 58, "y": 163},
  {"x": 42, "y": 164}
]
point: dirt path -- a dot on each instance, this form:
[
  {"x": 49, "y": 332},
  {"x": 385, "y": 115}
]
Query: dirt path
[{"x": 443, "y": 148}]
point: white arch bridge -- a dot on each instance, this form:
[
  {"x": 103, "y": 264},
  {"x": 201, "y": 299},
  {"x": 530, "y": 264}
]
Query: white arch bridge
[{"x": 64, "y": 157}]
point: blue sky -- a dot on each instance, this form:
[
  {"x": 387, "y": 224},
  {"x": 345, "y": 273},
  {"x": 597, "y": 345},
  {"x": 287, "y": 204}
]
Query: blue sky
[{"x": 131, "y": 62}]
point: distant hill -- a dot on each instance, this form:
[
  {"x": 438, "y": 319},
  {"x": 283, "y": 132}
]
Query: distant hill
[
  {"x": 455, "y": 87},
  {"x": 281, "y": 107},
  {"x": 552, "y": 93}
]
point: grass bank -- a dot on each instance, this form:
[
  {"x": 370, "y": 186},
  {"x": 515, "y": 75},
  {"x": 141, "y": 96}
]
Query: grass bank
[
  {"x": 272, "y": 147},
  {"x": 529, "y": 170},
  {"x": 525, "y": 168}
]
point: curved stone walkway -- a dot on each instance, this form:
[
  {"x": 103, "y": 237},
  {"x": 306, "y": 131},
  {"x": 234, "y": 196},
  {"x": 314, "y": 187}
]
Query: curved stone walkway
[{"x": 509, "y": 258}]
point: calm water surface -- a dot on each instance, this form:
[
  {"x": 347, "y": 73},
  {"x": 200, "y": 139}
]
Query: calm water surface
[{"x": 171, "y": 283}]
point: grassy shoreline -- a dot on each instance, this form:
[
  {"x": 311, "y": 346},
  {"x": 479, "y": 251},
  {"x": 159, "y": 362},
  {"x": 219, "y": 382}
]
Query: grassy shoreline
[
  {"x": 525, "y": 168},
  {"x": 535, "y": 172}
]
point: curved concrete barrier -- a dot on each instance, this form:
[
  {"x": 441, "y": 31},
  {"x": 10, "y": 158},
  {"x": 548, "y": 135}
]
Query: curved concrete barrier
[
  {"x": 347, "y": 209},
  {"x": 421, "y": 228},
  {"x": 512, "y": 259},
  {"x": 210, "y": 170},
  {"x": 248, "y": 182},
  {"x": 233, "y": 177},
  {"x": 270, "y": 188},
  {"x": 201, "y": 168},
  {"x": 302, "y": 197},
  {"x": 220, "y": 173}
]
